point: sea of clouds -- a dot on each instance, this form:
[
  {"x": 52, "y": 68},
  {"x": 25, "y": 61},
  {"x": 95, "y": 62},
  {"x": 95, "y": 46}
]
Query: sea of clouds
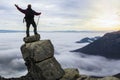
[{"x": 12, "y": 64}]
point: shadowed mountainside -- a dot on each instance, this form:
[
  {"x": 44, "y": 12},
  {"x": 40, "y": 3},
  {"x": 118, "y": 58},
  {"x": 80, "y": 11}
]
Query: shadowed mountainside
[{"x": 107, "y": 46}]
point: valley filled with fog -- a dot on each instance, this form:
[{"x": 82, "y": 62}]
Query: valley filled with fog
[{"x": 12, "y": 64}]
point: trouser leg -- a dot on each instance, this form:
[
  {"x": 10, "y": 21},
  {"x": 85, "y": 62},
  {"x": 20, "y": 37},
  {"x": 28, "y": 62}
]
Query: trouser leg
[
  {"x": 35, "y": 27},
  {"x": 27, "y": 29}
]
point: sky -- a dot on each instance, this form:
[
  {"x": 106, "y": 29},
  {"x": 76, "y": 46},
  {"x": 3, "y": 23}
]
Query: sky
[{"x": 62, "y": 15}]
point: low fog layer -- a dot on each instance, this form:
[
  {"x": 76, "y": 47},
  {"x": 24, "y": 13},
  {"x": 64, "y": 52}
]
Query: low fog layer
[{"x": 12, "y": 64}]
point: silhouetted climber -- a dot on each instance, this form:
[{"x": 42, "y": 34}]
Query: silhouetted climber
[{"x": 29, "y": 18}]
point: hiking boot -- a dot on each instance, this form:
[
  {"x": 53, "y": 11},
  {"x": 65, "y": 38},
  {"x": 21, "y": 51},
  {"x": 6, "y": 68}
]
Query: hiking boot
[
  {"x": 36, "y": 33},
  {"x": 27, "y": 35}
]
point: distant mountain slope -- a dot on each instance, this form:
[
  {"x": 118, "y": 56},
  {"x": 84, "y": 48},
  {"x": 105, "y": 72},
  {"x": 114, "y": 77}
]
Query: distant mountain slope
[
  {"x": 88, "y": 40},
  {"x": 107, "y": 46}
]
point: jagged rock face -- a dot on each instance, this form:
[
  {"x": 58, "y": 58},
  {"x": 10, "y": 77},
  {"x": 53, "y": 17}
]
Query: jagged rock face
[
  {"x": 39, "y": 59},
  {"x": 107, "y": 46}
]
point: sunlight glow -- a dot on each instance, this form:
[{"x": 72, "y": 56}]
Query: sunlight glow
[
  {"x": 105, "y": 16},
  {"x": 107, "y": 20}
]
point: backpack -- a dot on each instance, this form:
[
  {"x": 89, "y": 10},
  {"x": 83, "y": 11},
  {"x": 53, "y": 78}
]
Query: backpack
[{"x": 29, "y": 14}]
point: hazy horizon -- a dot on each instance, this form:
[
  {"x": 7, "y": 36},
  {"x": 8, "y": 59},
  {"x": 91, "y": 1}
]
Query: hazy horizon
[{"x": 59, "y": 30}]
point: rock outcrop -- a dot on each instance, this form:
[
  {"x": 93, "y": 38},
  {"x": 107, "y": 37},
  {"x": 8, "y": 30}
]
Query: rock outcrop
[
  {"x": 40, "y": 61},
  {"x": 107, "y": 46}
]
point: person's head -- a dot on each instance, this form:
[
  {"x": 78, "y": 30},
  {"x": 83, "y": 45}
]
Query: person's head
[{"x": 29, "y": 6}]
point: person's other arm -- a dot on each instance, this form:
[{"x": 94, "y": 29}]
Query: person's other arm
[
  {"x": 37, "y": 13},
  {"x": 21, "y": 10}
]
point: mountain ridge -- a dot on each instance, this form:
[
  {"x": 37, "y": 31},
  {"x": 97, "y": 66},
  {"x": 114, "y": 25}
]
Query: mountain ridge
[{"x": 107, "y": 46}]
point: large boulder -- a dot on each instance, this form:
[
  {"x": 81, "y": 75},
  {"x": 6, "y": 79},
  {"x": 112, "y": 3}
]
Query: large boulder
[
  {"x": 31, "y": 38},
  {"x": 51, "y": 69},
  {"x": 39, "y": 50}
]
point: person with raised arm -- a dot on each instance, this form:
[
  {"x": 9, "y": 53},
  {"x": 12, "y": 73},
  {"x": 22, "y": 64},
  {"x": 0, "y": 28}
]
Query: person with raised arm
[{"x": 29, "y": 18}]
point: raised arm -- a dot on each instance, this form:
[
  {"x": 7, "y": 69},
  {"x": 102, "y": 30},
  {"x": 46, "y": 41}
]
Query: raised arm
[{"x": 21, "y": 10}]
